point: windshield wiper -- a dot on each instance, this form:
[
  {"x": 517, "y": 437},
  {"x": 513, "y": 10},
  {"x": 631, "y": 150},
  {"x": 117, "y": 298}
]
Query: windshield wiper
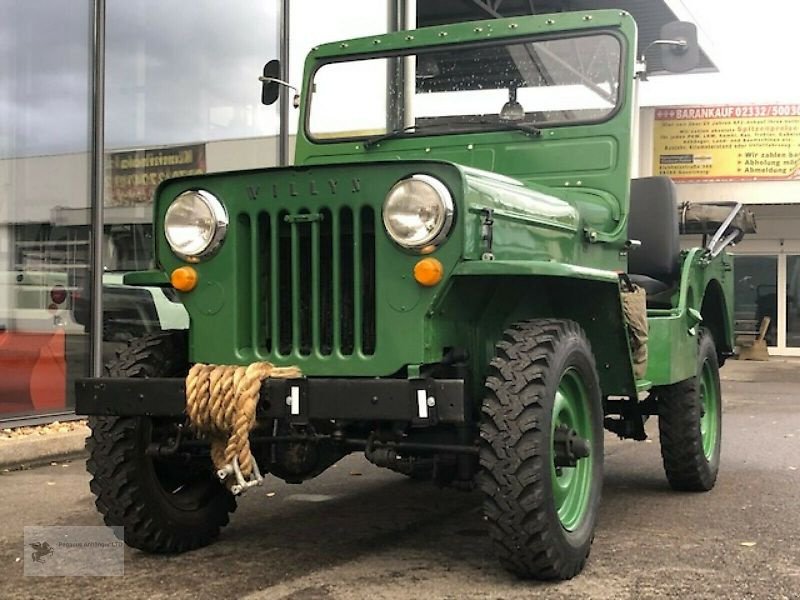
[
  {"x": 508, "y": 126},
  {"x": 482, "y": 125},
  {"x": 394, "y": 133}
]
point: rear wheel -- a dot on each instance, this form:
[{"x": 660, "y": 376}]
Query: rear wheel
[
  {"x": 690, "y": 423},
  {"x": 164, "y": 505},
  {"x": 542, "y": 449}
]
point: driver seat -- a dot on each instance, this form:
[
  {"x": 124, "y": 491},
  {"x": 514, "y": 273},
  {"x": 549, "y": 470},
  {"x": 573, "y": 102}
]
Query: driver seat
[{"x": 653, "y": 220}]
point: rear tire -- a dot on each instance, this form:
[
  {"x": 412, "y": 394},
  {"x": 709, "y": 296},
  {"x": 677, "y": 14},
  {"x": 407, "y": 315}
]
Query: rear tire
[
  {"x": 164, "y": 507},
  {"x": 541, "y": 518},
  {"x": 690, "y": 423}
]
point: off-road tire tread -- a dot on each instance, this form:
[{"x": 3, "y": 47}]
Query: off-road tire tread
[
  {"x": 513, "y": 446},
  {"x": 679, "y": 413},
  {"x": 114, "y": 449}
]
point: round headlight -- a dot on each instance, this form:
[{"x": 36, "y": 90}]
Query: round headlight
[
  {"x": 418, "y": 212},
  {"x": 195, "y": 224}
]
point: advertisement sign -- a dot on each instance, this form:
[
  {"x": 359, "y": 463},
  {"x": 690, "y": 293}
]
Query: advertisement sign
[
  {"x": 135, "y": 174},
  {"x": 727, "y": 143}
]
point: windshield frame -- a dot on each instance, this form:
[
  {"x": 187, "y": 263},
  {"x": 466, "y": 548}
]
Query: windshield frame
[{"x": 622, "y": 92}]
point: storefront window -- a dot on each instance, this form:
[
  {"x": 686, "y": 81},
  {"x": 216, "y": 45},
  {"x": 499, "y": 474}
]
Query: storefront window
[
  {"x": 179, "y": 101},
  {"x": 793, "y": 301},
  {"x": 44, "y": 169},
  {"x": 182, "y": 97}
]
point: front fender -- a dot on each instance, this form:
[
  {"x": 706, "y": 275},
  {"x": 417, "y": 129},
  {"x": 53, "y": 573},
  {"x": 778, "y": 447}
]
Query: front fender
[{"x": 485, "y": 297}]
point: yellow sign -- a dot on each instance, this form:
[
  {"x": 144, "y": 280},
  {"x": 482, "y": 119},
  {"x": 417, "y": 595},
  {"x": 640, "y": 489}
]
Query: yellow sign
[{"x": 727, "y": 143}]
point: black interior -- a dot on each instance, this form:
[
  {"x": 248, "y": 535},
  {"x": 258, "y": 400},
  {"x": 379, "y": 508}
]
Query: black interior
[{"x": 653, "y": 220}]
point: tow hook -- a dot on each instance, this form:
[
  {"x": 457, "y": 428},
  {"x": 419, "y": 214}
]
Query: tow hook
[{"x": 241, "y": 484}]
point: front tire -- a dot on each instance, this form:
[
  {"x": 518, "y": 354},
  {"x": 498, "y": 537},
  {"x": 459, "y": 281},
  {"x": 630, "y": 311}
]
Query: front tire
[
  {"x": 542, "y": 383},
  {"x": 164, "y": 506},
  {"x": 690, "y": 423}
]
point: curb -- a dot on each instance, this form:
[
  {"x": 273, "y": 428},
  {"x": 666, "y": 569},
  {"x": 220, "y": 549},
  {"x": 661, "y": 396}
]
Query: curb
[{"x": 36, "y": 449}]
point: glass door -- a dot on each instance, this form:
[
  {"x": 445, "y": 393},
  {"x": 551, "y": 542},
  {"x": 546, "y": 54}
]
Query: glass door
[
  {"x": 792, "y": 301},
  {"x": 756, "y": 295}
]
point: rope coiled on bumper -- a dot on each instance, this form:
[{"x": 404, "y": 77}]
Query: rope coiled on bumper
[{"x": 221, "y": 403}]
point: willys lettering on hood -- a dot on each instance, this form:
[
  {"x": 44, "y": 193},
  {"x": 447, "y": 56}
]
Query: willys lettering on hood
[{"x": 311, "y": 188}]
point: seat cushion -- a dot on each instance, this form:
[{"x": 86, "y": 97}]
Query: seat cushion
[
  {"x": 652, "y": 287},
  {"x": 653, "y": 221}
]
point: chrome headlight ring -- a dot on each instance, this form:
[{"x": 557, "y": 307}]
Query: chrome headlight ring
[
  {"x": 195, "y": 225},
  {"x": 418, "y": 212}
]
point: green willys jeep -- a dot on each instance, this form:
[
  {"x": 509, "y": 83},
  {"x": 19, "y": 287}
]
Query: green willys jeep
[{"x": 449, "y": 263}]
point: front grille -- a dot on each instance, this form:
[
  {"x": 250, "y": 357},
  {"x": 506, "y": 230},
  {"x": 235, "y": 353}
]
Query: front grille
[{"x": 310, "y": 278}]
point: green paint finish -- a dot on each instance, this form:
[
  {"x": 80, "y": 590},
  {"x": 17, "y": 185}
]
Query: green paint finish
[
  {"x": 586, "y": 167},
  {"x": 532, "y": 267},
  {"x": 572, "y": 485},
  {"x": 479, "y": 304},
  {"x": 672, "y": 350},
  {"x": 704, "y": 286},
  {"x": 303, "y": 241},
  {"x": 477, "y": 31},
  {"x": 239, "y": 304},
  {"x": 709, "y": 422}
]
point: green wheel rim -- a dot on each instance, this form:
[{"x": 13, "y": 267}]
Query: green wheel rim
[
  {"x": 709, "y": 422},
  {"x": 572, "y": 485}
]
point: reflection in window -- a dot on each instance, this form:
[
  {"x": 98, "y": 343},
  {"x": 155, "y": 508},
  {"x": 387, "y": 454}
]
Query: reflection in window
[
  {"x": 44, "y": 114},
  {"x": 182, "y": 72},
  {"x": 756, "y": 295}
]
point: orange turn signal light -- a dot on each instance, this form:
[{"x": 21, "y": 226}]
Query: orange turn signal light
[
  {"x": 428, "y": 272},
  {"x": 184, "y": 279}
]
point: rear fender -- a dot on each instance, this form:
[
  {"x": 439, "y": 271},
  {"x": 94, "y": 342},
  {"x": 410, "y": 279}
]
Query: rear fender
[
  {"x": 718, "y": 318},
  {"x": 704, "y": 286}
]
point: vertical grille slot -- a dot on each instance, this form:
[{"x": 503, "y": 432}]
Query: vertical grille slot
[
  {"x": 273, "y": 281},
  {"x": 367, "y": 291},
  {"x": 263, "y": 257},
  {"x": 285, "y": 291},
  {"x": 246, "y": 286},
  {"x": 326, "y": 282},
  {"x": 303, "y": 233},
  {"x": 346, "y": 282}
]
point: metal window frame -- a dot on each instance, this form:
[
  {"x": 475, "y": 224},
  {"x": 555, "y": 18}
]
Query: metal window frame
[
  {"x": 97, "y": 161},
  {"x": 96, "y": 183}
]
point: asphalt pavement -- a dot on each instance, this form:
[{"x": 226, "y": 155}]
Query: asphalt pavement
[{"x": 361, "y": 532}]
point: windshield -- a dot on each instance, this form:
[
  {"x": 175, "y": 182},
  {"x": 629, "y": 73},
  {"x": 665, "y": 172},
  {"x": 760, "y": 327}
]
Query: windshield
[{"x": 540, "y": 82}]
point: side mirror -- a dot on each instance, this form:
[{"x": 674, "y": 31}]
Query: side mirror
[
  {"x": 680, "y": 51},
  {"x": 270, "y": 86}
]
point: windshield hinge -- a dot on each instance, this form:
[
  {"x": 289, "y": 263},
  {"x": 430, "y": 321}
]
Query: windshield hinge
[{"x": 487, "y": 233}]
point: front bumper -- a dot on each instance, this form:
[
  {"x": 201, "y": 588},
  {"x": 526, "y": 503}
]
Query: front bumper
[{"x": 420, "y": 402}]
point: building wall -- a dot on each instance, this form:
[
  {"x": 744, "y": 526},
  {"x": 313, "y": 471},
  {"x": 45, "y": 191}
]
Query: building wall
[
  {"x": 31, "y": 187},
  {"x": 38, "y": 189},
  {"x": 766, "y": 279},
  {"x": 235, "y": 155}
]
